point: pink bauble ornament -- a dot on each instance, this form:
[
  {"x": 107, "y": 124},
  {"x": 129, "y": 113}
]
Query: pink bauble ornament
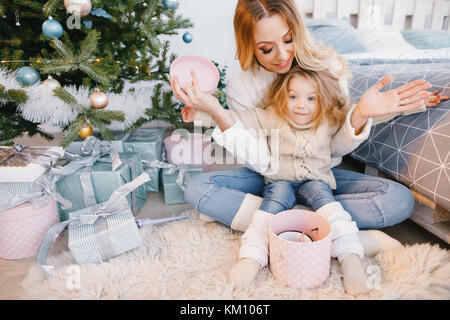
[
  {"x": 99, "y": 100},
  {"x": 78, "y": 7}
]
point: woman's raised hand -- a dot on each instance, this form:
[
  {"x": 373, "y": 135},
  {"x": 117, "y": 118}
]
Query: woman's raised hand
[
  {"x": 192, "y": 96},
  {"x": 374, "y": 103}
]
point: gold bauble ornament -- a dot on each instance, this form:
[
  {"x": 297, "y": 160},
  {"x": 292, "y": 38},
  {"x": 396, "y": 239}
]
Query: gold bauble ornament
[
  {"x": 78, "y": 7},
  {"x": 52, "y": 83},
  {"x": 99, "y": 100},
  {"x": 86, "y": 131}
]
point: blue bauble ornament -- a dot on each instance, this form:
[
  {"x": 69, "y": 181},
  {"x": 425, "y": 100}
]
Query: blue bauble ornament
[
  {"x": 28, "y": 76},
  {"x": 52, "y": 28},
  {"x": 170, "y": 4},
  {"x": 187, "y": 37}
]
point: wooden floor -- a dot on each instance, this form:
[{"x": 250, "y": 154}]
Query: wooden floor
[{"x": 13, "y": 271}]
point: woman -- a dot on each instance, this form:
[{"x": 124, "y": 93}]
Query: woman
[{"x": 271, "y": 38}]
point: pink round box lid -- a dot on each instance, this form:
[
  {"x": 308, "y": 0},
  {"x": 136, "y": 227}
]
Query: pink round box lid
[{"x": 206, "y": 71}]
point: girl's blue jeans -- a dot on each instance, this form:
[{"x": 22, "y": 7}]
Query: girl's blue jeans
[
  {"x": 372, "y": 202},
  {"x": 283, "y": 195}
]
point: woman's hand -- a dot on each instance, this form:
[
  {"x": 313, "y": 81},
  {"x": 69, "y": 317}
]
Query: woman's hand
[
  {"x": 435, "y": 99},
  {"x": 374, "y": 103},
  {"x": 188, "y": 114},
  {"x": 192, "y": 96}
]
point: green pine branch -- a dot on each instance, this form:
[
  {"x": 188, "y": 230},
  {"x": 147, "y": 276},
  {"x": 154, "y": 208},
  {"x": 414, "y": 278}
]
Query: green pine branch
[
  {"x": 65, "y": 60},
  {"x": 50, "y": 7},
  {"x": 99, "y": 119},
  {"x": 13, "y": 95}
]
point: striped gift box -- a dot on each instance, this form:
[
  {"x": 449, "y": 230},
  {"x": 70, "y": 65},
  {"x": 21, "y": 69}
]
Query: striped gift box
[
  {"x": 108, "y": 237},
  {"x": 99, "y": 232}
]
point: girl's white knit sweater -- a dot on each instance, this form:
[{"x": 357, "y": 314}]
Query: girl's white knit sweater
[{"x": 246, "y": 90}]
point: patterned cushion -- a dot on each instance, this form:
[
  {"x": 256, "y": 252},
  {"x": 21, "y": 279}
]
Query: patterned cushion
[{"x": 413, "y": 149}]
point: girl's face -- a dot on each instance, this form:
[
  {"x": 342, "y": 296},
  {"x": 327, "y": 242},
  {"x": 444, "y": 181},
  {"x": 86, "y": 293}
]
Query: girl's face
[
  {"x": 302, "y": 100},
  {"x": 273, "y": 44}
]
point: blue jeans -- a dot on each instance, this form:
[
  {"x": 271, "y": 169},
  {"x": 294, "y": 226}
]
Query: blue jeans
[
  {"x": 372, "y": 202},
  {"x": 284, "y": 195}
]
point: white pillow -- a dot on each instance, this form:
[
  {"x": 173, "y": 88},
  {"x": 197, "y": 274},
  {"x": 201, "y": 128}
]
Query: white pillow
[{"x": 385, "y": 40}]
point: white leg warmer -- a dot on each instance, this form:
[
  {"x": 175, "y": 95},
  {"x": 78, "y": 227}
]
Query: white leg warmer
[
  {"x": 255, "y": 240},
  {"x": 245, "y": 213},
  {"x": 344, "y": 231}
]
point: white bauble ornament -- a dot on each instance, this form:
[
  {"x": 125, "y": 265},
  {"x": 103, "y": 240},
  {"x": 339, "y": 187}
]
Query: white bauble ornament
[{"x": 52, "y": 83}]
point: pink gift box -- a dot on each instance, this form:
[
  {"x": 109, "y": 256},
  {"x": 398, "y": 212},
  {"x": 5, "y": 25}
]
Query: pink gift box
[
  {"x": 22, "y": 229},
  {"x": 300, "y": 265},
  {"x": 196, "y": 149}
]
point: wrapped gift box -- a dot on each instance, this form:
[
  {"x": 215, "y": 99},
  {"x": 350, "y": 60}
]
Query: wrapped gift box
[
  {"x": 102, "y": 183},
  {"x": 195, "y": 148},
  {"x": 16, "y": 181},
  {"x": 149, "y": 142},
  {"x": 173, "y": 193},
  {"x": 100, "y": 232},
  {"x": 22, "y": 229},
  {"x": 146, "y": 141}
]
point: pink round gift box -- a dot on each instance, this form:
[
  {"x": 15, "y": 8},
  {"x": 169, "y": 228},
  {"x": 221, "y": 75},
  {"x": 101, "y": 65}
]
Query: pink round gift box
[
  {"x": 206, "y": 72},
  {"x": 22, "y": 229},
  {"x": 196, "y": 149},
  {"x": 300, "y": 265}
]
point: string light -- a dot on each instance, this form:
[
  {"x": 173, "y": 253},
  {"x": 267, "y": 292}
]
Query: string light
[{"x": 97, "y": 60}]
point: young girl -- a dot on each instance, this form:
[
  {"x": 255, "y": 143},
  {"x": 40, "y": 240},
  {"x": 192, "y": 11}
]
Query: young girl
[{"x": 305, "y": 111}]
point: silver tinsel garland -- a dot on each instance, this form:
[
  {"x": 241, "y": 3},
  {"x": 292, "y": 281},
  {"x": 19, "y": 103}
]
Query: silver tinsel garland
[{"x": 43, "y": 107}]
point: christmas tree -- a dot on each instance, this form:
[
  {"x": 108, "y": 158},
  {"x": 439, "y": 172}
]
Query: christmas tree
[{"x": 93, "y": 52}]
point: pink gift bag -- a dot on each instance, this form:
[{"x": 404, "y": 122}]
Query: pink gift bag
[
  {"x": 196, "y": 149},
  {"x": 300, "y": 265},
  {"x": 22, "y": 229}
]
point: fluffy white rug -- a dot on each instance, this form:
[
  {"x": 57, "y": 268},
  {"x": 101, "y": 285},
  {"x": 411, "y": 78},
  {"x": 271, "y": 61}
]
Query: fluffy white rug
[{"x": 191, "y": 259}]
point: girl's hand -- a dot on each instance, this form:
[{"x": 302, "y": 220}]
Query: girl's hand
[
  {"x": 188, "y": 114},
  {"x": 374, "y": 103},
  {"x": 435, "y": 99}
]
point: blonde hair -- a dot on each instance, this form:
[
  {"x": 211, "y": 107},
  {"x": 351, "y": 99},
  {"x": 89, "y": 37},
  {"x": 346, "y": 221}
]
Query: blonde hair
[
  {"x": 332, "y": 102},
  {"x": 308, "y": 55}
]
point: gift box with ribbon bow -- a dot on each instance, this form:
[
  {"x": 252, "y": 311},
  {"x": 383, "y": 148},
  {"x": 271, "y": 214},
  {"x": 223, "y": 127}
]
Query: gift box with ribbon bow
[
  {"x": 24, "y": 175},
  {"x": 102, "y": 231},
  {"x": 174, "y": 181},
  {"x": 99, "y": 232},
  {"x": 92, "y": 177},
  {"x": 148, "y": 142}
]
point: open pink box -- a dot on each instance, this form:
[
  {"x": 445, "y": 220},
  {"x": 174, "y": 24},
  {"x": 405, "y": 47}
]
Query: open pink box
[
  {"x": 206, "y": 72},
  {"x": 300, "y": 265}
]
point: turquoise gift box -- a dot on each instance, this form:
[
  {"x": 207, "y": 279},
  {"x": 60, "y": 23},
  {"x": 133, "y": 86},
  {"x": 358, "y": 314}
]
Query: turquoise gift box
[
  {"x": 149, "y": 142},
  {"x": 103, "y": 181},
  {"x": 173, "y": 194}
]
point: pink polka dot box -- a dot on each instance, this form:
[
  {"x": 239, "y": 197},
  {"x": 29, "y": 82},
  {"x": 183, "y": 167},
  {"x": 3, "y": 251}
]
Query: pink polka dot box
[
  {"x": 302, "y": 261},
  {"x": 22, "y": 229}
]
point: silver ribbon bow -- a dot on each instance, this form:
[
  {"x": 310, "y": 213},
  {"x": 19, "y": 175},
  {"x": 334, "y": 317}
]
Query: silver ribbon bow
[{"x": 182, "y": 178}]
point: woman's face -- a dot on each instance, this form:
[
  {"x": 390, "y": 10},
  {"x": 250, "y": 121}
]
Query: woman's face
[{"x": 273, "y": 44}]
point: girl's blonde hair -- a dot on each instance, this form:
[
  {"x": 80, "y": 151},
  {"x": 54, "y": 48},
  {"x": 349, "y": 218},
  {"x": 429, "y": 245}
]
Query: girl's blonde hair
[
  {"x": 332, "y": 102},
  {"x": 308, "y": 55}
]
